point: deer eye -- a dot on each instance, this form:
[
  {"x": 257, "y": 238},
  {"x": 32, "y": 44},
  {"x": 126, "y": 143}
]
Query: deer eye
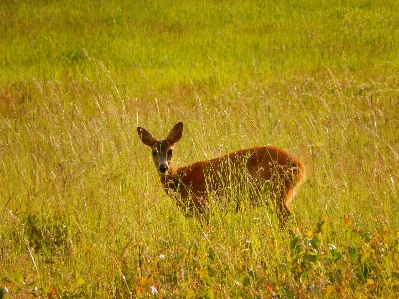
[
  {"x": 154, "y": 153},
  {"x": 170, "y": 152}
]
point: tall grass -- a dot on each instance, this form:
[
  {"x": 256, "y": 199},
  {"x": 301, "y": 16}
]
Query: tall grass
[{"x": 83, "y": 213}]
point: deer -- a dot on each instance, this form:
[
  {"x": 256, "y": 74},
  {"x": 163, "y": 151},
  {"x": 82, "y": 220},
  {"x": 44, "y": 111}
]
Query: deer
[{"x": 262, "y": 167}]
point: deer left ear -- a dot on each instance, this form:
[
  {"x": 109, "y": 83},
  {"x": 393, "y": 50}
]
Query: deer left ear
[
  {"x": 176, "y": 133},
  {"x": 146, "y": 136}
]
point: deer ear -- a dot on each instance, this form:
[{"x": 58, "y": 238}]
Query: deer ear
[
  {"x": 175, "y": 134},
  {"x": 146, "y": 136}
]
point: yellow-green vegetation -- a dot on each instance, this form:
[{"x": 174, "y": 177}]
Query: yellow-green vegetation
[{"x": 83, "y": 214}]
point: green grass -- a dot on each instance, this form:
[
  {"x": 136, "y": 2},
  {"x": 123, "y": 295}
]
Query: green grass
[{"x": 83, "y": 212}]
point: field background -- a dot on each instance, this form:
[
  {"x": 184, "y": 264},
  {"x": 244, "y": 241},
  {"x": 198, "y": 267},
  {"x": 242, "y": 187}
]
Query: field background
[{"x": 83, "y": 214}]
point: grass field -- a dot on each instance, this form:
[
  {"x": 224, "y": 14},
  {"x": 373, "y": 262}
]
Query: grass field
[{"x": 83, "y": 214}]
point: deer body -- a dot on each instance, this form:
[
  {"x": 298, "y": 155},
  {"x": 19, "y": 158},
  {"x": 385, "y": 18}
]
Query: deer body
[{"x": 262, "y": 166}]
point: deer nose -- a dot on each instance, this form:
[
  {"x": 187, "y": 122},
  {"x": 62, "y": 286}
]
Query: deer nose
[{"x": 163, "y": 168}]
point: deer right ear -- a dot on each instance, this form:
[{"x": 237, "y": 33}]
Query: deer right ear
[
  {"x": 146, "y": 136},
  {"x": 176, "y": 133}
]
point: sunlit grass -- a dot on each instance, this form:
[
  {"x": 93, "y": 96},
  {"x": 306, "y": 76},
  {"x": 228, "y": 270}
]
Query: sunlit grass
[{"x": 83, "y": 212}]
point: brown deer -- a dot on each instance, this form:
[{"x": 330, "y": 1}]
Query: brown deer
[{"x": 263, "y": 168}]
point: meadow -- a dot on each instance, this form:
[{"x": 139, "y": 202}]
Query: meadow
[{"x": 83, "y": 214}]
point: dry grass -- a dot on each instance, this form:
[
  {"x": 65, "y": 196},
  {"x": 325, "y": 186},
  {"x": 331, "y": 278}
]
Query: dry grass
[{"x": 83, "y": 212}]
